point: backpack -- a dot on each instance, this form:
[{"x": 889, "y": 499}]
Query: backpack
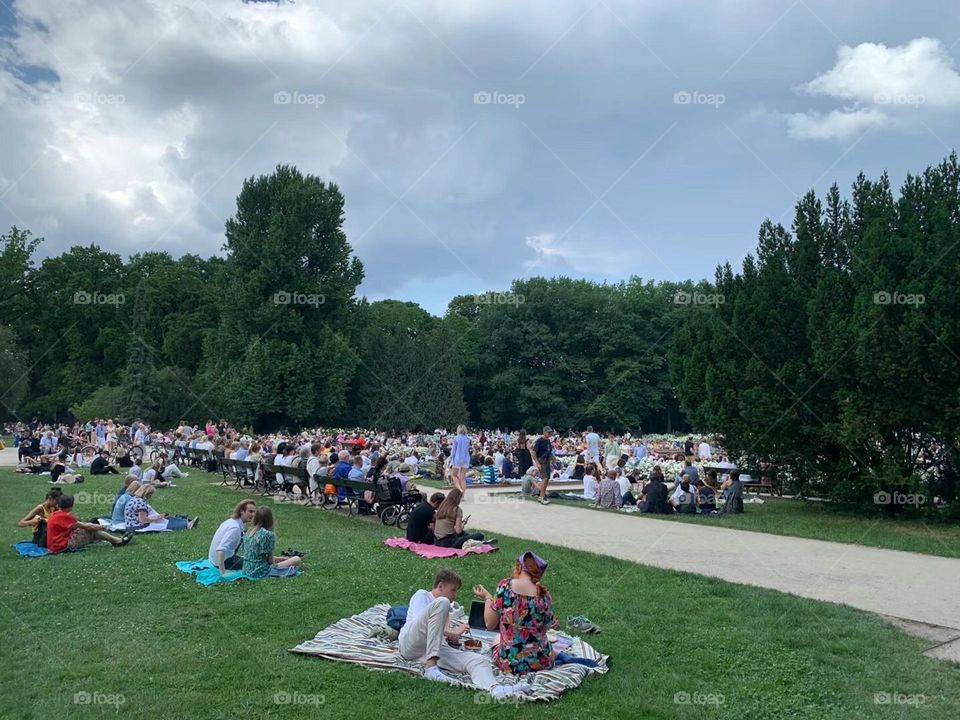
[{"x": 397, "y": 617}]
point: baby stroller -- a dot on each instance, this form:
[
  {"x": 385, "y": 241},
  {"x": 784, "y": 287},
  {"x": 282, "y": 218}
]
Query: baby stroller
[{"x": 393, "y": 503}]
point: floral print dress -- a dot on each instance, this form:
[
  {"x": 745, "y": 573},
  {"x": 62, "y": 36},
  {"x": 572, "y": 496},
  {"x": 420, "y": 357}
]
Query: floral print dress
[{"x": 524, "y": 620}]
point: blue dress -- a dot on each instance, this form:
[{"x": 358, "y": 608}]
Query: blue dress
[{"x": 460, "y": 452}]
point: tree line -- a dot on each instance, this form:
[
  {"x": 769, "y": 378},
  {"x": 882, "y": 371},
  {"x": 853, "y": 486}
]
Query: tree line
[{"x": 834, "y": 351}]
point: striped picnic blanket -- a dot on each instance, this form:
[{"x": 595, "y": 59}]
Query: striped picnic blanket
[{"x": 352, "y": 640}]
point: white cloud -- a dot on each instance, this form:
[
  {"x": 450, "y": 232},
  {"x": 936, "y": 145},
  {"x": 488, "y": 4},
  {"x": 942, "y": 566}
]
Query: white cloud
[
  {"x": 836, "y": 125},
  {"x": 873, "y": 74}
]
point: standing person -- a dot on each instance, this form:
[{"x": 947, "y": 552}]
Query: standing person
[
  {"x": 593, "y": 445},
  {"x": 543, "y": 456},
  {"x": 524, "y": 459},
  {"x": 704, "y": 451},
  {"x": 460, "y": 458},
  {"x": 611, "y": 452},
  {"x": 229, "y": 537},
  {"x": 688, "y": 448},
  {"x": 426, "y": 635}
]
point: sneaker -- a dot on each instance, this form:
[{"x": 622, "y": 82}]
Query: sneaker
[
  {"x": 193, "y": 523},
  {"x": 543, "y": 501},
  {"x": 502, "y": 691},
  {"x": 171, "y": 484},
  {"x": 437, "y": 675},
  {"x": 492, "y": 541}
]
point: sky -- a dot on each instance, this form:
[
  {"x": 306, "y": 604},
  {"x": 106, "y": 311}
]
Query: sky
[{"x": 475, "y": 141}]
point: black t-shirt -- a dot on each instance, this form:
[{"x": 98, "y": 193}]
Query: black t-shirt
[
  {"x": 688, "y": 447},
  {"x": 542, "y": 449},
  {"x": 419, "y": 523},
  {"x": 656, "y": 496},
  {"x": 98, "y": 465}
]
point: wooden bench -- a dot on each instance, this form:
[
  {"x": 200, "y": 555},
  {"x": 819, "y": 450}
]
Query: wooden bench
[
  {"x": 351, "y": 501},
  {"x": 291, "y": 477},
  {"x": 238, "y": 473}
]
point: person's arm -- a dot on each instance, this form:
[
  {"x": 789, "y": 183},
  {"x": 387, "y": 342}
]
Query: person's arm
[
  {"x": 221, "y": 562},
  {"x": 491, "y": 616},
  {"x": 32, "y": 518},
  {"x": 458, "y": 523}
]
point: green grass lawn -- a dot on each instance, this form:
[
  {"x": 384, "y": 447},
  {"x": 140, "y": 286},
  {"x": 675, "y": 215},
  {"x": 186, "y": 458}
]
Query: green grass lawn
[{"x": 115, "y": 622}]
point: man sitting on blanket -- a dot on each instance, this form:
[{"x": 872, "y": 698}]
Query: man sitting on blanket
[
  {"x": 229, "y": 536},
  {"x": 426, "y": 634}
]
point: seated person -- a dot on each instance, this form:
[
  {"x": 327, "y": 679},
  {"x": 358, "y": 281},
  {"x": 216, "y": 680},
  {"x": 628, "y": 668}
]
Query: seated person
[
  {"x": 426, "y": 637},
  {"x": 65, "y": 532},
  {"x": 608, "y": 492},
  {"x": 530, "y": 482},
  {"x": 58, "y": 471},
  {"x": 138, "y": 514},
  {"x": 522, "y": 611},
  {"x": 732, "y": 493},
  {"x": 655, "y": 495},
  {"x": 707, "y": 493},
  {"x": 229, "y": 537},
  {"x": 590, "y": 482},
  {"x": 130, "y": 488},
  {"x": 489, "y": 476},
  {"x": 578, "y": 468},
  {"x": 258, "y": 546},
  {"x": 38, "y": 517},
  {"x": 420, "y": 522},
  {"x": 506, "y": 469},
  {"x": 625, "y": 485},
  {"x": 684, "y": 498},
  {"x": 448, "y": 528},
  {"x": 100, "y": 465}
]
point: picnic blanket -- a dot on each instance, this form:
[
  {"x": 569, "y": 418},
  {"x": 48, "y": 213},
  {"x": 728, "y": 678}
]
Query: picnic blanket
[
  {"x": 206, "y": 573},
  {"x": 108, "y": 524},
  {"x": 352, "y": 640},
  {"x": 29, "y": 549},
  {"x": 435, "y": 551}
]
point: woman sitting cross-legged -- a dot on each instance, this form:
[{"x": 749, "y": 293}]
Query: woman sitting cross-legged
[
  {"x": 38, "y": 517},
  {"x": 258, "y": 545},
  {"x": 448, "y": 528},
  {"x": 65, "y": 532},
  {"x": 522, "y": 611},
  {"x": 138, "y": 514}
]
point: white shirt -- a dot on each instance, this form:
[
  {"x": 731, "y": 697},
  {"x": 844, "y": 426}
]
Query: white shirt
[
  {"x": 412, "y": 460},
  {"x": 703, "y": 450},
  {"x": 419, "y": 603},
  {"x": 136, "y": 470},
  {"x": 149, "y": 475},
  {"x": 593, "y": 445},
  {"x": 498, "y": 461},
  {"x": 590, "y": 486},
  {"x": 227, "y": 538},
  {"x": 624, "y": 484}
]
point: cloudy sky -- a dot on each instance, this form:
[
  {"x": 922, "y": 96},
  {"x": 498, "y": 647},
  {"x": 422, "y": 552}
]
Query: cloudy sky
[{"x": 476, "y": 141}]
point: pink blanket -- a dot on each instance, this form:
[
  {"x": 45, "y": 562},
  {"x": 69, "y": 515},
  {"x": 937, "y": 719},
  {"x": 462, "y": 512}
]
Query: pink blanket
[{"x": 434, "y": 551}]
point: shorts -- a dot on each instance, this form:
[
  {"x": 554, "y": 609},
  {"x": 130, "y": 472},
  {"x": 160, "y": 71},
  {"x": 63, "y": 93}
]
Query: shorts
[{"x": 276, "y": 571}]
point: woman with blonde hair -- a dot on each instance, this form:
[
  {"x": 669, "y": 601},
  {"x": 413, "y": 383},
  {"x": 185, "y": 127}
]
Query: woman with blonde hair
[
  {"x": 460, "y": 458},
  {"x": 138, "y": 513},
  {"x": 448, "y": 527}
]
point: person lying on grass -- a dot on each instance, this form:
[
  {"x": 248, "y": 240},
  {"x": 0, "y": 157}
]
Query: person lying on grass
[
  {"x": 426, "y": 637},
  {"x": 132, "y": 485},
  {"x": 38, "y": 517},
  {"x": 138, "y": 513},
  {"x": 522, "y": 612},
  {"x": 65, "y": 532},
  {"x": 59, "y": 471},
  {"x": 258, "y": 546},
  {"x": 229, "y": 536}
]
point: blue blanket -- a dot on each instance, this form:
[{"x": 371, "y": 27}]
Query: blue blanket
[
  {"x": 207, "y": 573},
  {"x": 29, "y": 549}
]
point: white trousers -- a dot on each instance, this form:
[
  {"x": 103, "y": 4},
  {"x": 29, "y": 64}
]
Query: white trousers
[{"x": 423, "y": 639}]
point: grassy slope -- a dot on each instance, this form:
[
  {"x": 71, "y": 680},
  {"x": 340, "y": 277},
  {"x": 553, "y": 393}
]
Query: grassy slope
[{"x": 124, "y": 621}]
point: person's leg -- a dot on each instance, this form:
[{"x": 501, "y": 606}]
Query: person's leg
[
  {"x": 104, "y": 535},
  {"x": 172, "y": 472},
  {"x": 544, "y": 480},
  {"x": 461, "y": 539},
  {"x": 290, "y": 562},
  {"x": 479, "y": 668},
  {"x": 233, "y": 563},
  {"x": 423, "y": 638}
]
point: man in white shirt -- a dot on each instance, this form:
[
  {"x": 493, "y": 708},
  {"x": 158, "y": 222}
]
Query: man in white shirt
[
  {"x": 413, "y": 461},
  {"x": 593, "y": 445},
  {"x": 229, "y": 536},
  {"x": 704, "y": 450},
  {"x": 425, "y": 637}
]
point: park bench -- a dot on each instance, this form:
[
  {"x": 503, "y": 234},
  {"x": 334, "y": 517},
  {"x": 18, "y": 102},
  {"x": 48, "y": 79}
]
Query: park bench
[
  {"x": 352, "y": 499},
  {"x": 291, "y": 477},
  {"x": 237, "y": 473}
]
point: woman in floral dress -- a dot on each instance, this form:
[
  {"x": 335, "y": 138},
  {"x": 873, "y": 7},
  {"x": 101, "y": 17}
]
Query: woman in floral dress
[{"x": 522, "y": 608}]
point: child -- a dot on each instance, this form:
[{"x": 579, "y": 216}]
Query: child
[{"x": 490, "y": 476}]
